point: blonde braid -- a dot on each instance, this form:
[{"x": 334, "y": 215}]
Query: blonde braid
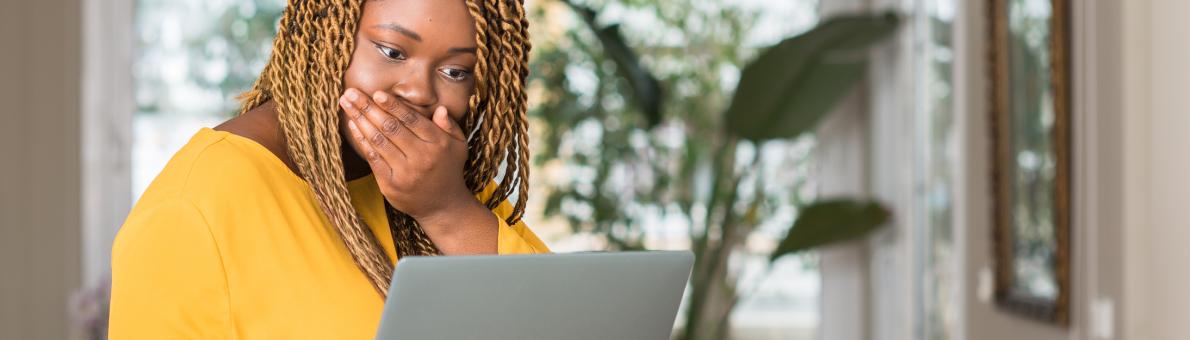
[
  {"x": 304, "y": 77},
  {"x": 503, "y": 40}
]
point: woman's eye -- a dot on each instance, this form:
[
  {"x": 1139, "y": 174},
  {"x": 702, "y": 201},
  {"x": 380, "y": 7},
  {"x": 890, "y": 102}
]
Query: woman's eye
[
  {"x": 455, "y": 74},
  {"x": 390, "y": 53}
]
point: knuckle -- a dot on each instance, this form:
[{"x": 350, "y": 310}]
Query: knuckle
[
  {"x": 408, "y": 117},
  {"x": 425, "y": 165},
  {"x": 441, "y": 146},
  {"x": 413, "y": 161},
  {"x": 377, "y": 138},
  {"x": 391, "y": 126},
  {"x": 400, "y": 182},
  {"x": 391, "y": 106}
]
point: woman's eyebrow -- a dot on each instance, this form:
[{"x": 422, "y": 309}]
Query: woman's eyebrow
[
  {"x": 413, "y": 35},
  {"x": 399, "y": 29},
  {"x": 457, "y": 50}
]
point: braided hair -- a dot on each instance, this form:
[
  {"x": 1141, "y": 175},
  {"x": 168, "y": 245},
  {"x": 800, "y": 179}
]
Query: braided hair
[{"x": 304, "y": 77}]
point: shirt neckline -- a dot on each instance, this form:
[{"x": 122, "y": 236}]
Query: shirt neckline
[{"x": 252, "y": 144}]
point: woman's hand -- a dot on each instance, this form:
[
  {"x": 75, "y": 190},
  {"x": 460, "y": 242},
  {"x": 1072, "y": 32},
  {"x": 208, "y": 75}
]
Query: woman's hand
[{"x": 418, "y": 164}]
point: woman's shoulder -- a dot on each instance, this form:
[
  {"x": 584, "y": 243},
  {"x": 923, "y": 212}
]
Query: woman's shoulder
[{"x": 219, "y": 165}]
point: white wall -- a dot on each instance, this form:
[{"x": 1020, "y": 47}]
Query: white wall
[
  {"x": 1099, "y": 186},
  {"x": 1156, "y": 120},
  {"x": 973, "y": 208},
  {"x": 1132, "y": 174},
  {"x": 1131, "y": 131}
]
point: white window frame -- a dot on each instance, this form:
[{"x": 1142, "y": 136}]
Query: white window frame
[{"x": 107, "y": 109}]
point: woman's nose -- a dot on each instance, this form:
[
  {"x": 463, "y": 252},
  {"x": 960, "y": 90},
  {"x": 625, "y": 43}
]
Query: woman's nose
[{"x": 417, "y": 89}]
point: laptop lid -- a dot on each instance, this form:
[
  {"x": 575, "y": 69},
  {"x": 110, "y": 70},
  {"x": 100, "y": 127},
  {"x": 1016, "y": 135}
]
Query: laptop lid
[{"x": 614, "y": 295}]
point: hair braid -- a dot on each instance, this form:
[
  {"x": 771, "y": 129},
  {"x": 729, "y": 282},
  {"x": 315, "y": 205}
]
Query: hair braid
[{"x": 304, "y": 77}]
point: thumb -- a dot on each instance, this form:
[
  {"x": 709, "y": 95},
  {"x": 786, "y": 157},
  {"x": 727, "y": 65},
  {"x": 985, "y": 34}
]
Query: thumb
[{"x": 443, "y": 120}]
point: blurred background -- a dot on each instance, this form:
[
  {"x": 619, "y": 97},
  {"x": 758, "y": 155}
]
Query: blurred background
[{"x": 843, "y": 169}]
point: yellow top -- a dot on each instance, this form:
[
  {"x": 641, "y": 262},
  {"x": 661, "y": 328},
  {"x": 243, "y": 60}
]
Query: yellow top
[{"x": 228, "y": 243}]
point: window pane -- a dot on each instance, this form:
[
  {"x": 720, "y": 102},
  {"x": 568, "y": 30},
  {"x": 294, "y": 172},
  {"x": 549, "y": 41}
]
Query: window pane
[
  {"x": 936, "y": 136},
  {"x": 192, "y": 59}
]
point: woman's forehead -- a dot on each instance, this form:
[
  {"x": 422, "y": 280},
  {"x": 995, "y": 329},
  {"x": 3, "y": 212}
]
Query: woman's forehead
[{"x": 420, "y": 16}]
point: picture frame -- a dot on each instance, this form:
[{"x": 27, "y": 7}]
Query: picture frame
[{"x": 1030, "y": 113}]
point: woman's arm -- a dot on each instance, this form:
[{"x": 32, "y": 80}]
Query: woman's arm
[
  {"x": 477, "y": 230},
  {"x": 465, "y": 228},
  {"x": 168, "y": 280}
]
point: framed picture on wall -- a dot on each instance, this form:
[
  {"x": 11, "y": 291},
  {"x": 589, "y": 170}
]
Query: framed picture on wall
[{"x": 1031, "y": 139}]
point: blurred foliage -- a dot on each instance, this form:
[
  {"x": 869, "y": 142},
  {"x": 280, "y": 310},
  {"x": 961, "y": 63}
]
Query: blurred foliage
[
  {"x": 721, "y": 161},
  {"x": 646, "y": 89},
  {"x": 785, "y": 91},
  {"x": 617, "y": 167},
  {"x": 830, "y": 221},
  {"x": 195, "y": 57}
]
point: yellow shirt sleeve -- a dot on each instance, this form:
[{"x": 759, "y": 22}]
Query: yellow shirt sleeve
[
  {"x": 168, "y": 278},
  {"x": 517, "y": 238},
  {"x": 228, "y": 243},
  {"x": 514, "y": 239}
]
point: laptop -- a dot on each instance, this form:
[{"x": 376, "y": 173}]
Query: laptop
[{"x": 612, "y": 295}]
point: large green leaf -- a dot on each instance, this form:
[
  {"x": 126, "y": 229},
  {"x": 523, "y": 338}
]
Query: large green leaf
[
  {"x": 646, "y": 89},
  {"x": 790, "y": 86},
  {"x": 830, "y": 221}
]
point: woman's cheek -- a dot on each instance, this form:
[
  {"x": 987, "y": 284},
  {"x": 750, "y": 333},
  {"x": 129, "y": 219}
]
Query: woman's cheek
[
  {"x": 361, "y": 78},
  {"x": 459, "y": 102},
  {"x": 365, "y": 72}
]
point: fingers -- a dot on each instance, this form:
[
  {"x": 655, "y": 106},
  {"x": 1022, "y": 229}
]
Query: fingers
[
  {"x": 443, "y": 121},
  {"x": 420, "y": 126},
  {"x": 375, "y": 161},
  {"x": 370, "y": 127},
  {"x": 386, "y": 122}
]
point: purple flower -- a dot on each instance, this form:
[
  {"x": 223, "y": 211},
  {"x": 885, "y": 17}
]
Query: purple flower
[{"x": 89, "y": 308}]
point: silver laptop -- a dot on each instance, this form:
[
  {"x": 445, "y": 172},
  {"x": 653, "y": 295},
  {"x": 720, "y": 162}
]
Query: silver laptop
[{"x": 621, "y": 295}]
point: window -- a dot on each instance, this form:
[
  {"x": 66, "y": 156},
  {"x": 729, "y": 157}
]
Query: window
[
  {"x": 192, "y": 59},
  {"x": 937, "y": 155}
]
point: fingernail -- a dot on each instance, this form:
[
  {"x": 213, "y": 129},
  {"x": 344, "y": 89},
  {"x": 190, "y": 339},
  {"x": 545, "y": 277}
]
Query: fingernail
[
  {"x": 352, "y": 95},
  {"x": 380, "y": 97}
]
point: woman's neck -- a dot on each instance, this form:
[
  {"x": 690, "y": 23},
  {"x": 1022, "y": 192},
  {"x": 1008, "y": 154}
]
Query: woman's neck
[{"x": 262, "y": 125}]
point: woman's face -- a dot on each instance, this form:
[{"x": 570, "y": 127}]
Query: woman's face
[{"x": 422, "y": 52}]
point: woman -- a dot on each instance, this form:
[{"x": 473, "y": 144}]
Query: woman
[{"x": 376, "y": 131}]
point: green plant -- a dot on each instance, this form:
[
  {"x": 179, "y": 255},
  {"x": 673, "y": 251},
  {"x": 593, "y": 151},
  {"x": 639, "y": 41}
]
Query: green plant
[{"x": 712, "y": 177}]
